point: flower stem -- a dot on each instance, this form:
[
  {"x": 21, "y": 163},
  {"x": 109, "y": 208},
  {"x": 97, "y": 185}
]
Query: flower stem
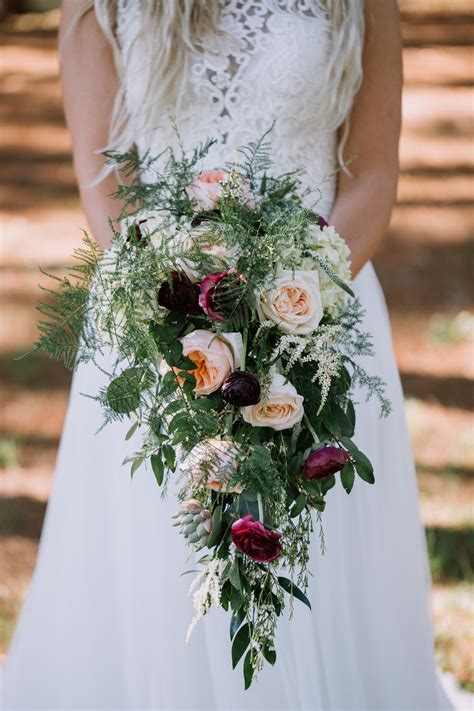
[
  {"x": 245, "y": 337},
  {"x": 311, "y": 429},
  {"x": 260, "y": 507}
]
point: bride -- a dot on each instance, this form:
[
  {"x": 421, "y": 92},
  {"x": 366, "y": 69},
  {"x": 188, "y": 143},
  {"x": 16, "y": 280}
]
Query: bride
[{"x": 104, "y": 623}]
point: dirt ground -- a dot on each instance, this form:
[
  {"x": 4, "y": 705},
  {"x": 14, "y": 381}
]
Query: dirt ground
[{"x": 425, "y": 266}]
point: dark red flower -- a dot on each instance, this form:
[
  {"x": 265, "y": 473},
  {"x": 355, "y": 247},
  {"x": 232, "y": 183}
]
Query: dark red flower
[
  {"x": 241, "y": 389},
  {"x": 325, "y": 461},
  {"x": 220, "y": 296},
  {"x": 179, "y": 294},
  {"x": 321, "y": 222},
  {"x": 255, "y": 540}
]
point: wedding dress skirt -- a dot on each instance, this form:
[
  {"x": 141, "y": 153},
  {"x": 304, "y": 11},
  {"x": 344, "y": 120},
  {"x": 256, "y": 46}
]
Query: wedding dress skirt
[{"x": 105, "y": 621}]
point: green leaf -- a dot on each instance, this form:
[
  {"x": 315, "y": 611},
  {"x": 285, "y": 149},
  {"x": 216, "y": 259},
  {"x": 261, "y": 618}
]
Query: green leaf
[
  {"x": 327, "y": 483},
  {"x": 136, "y": 465},
  {"x": 249, "y": 669},
  {"x": 332, "y": 274},
  {"x": 347, "y": 476},
  {"x": 336, "y": 420},
  {"x": 169, "y": 384},
  {"x": 234, "y": 575},
  {"x": 203, "y": 404},
  {"x": 216, "y": 527},
  {"x": 235, "y": 622},
  {"x": 298, "y": 506},
  {"x": 158, "y": 468},
  {"x": 351, "y": 416},
  {"x": 292, "y": 589},
  {"x": 132, "y": 430},
  {"x": 269, "y": 654},
  {"x": 123, "y": 392},
  {"x": 361, "y": 462},
  {"x": 236, "y": 599},
  {"x": 240, "y": 644},
  {"x": 170, "y": 456}
]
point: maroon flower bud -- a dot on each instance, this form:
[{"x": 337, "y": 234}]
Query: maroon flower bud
[
  {"x": 325, "y": 461},
  {"x": 255, "y": 540},
  {"x": 321, "y": 222},
  {"x": 179, "y": 295},
  {"x": 241, "y": 388}
]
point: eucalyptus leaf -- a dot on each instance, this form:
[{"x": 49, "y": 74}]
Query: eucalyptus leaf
[
  {"x": 132, "y": 430},
  {"x": 298, "y": 506},
  {"x": 249, "y": 669},
  {"x": 158, "y": 468},
  {"x": 347, "y": 476},
  {"x": 269, "y": 654},
  {"x": 294, "y": 590},
  {"x": 235, "y": 622},
  {"x": 234, "y": 575},
  {"x": 240, "y": 644}
]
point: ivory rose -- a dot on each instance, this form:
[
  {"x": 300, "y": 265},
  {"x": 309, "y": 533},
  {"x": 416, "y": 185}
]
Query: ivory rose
[
  {"x": 214, "y": 358},
  {"x": 206, "y": 189},
  {"x": 281, "y": 409},
  {"x": 293, "y": 301},
  {"x": 212, "y": 463}
]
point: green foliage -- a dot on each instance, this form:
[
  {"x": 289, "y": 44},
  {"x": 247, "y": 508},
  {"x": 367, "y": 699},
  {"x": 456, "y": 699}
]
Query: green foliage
[{"x": 63, "y": 316}]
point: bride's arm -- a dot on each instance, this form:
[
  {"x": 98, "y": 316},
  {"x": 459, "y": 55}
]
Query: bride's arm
[
  {"x": 364, "y": 202},
  {"x": 89, "y": 84}
]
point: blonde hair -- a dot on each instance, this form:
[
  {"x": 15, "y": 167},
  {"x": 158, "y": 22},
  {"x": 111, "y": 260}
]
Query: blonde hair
[{"x": 169, "y": 30}]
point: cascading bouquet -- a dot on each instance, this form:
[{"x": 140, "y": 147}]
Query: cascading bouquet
[{"x": 224, "y": 306}]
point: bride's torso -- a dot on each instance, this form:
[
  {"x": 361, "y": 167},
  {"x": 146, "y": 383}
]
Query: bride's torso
[{"x": 267, "y": 66}]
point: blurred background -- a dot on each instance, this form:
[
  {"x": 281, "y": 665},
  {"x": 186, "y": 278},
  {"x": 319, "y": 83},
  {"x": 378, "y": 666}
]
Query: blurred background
[{"x": 425, "y": 265}]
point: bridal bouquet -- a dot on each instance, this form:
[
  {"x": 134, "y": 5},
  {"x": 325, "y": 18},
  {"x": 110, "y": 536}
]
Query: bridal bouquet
[{"x": 225, "y": 307}]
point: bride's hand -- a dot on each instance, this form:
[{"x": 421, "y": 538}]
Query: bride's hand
[{"x": 365, "y": 199}]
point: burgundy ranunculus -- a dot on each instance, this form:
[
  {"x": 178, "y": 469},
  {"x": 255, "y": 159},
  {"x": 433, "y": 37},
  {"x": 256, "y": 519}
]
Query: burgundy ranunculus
[
  {"x": 255, "y": 540},
  {"x": 321, "y": 222},
  {"x": 325, "y": 461},
  {"x": 178, "y": 295},
  {"x": 213, "y": 299},
  {"x": 241, "y": 389}
]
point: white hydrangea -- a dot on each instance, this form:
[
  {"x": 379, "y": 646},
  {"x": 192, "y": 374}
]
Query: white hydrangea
[{"x": 334, "y": 250}]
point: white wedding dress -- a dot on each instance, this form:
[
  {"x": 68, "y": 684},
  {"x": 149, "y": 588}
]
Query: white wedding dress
[{"x": 105, "y": 621}]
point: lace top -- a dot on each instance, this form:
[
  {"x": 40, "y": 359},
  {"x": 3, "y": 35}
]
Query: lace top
[{"x": 267, "y": 66}]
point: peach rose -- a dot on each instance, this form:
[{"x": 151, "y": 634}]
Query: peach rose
[
  {"x": 281, "y": 409},
  {"x": 215, "y": 358},
  {"x": 211, "y": 464},
  {"x": 293, "y": 301},
  {"x": 206, "y": 189}
]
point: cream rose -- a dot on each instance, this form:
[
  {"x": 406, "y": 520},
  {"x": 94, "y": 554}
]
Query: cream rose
[
  {"x": 281, "y": 409},
  {"x": 212, "y": 464},
  {"x": 215, "y": 357},
  {"x": 293, "y": 301}
]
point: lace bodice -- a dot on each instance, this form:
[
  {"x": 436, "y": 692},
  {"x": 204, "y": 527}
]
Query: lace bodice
[{"x": 266, "y": 66}]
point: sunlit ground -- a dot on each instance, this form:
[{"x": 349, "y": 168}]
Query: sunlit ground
[{"x": 425, "y": 266}]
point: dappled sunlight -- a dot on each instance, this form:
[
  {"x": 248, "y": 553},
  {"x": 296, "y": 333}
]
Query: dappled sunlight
[{"x": 425, "y": 266}]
